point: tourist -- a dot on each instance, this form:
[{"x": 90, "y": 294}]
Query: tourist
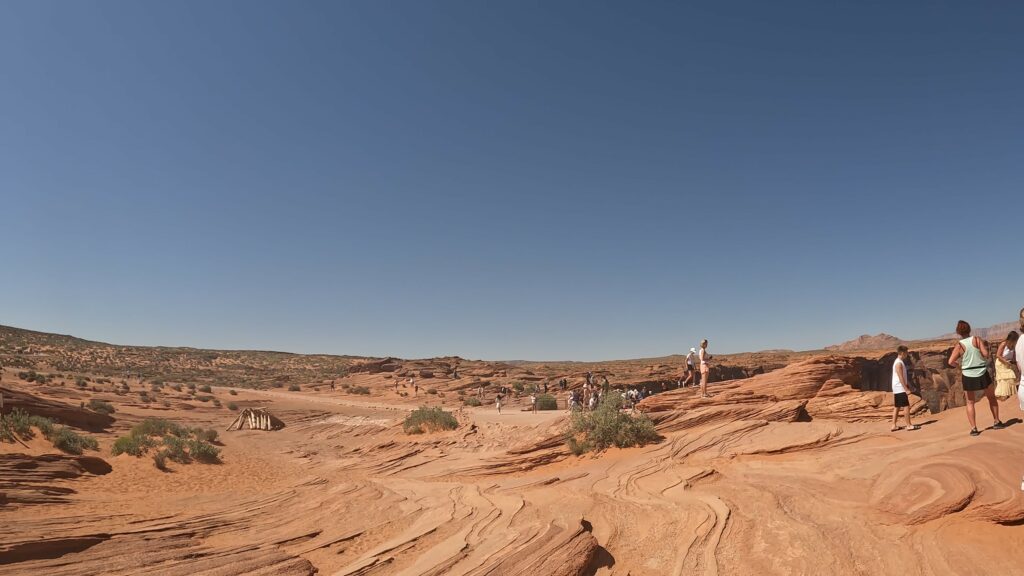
[
  {"x": 972, "y": 354},
  {"x": 1018, "y": 354},
  {"x": 705, "y": 368},
  {"x": 1007, "y": 371},
  {"x": 533, "y": 402},
  {"x": 900, "y": 384},
  {"x": 497, "y": 401},
  {"x": 568, "y": 401},
  {"x": 545, "y": 387},
  {"x": 691, "y": 370}
]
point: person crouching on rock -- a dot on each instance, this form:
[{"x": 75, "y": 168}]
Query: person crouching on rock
[
  {"x": 972, "y": 352},
  {"x": 900, "y": 384}
]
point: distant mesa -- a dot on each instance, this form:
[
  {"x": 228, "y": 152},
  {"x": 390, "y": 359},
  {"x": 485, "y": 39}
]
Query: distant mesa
[{"x": 867, "y": 342}]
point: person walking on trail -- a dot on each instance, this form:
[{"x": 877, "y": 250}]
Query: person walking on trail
[
  {"x": 705, "y": 368},
  {"x": 900, "y": 385},
  {"x": 533, "y": 402},
  {"x": 972, "y": 354},
  {"x": 497, "y": 401},
  {"x": 1007, "y": 370},
  {"x": 690, "y": 377}
]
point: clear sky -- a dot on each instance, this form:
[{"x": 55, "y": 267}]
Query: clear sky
[{"x": 509, "y": 180}]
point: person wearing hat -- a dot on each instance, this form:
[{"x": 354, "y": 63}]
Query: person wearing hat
[{"x": 691, "y": 371}]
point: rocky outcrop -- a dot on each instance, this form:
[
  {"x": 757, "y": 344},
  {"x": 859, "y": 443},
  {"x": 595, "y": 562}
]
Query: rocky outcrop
[
  {"x": 866, "y": 342},
  {"x": 28, "y": 479},
  {"x": 58, "y": 411}
]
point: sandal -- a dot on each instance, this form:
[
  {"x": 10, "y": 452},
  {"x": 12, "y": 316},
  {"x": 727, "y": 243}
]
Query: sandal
[
  {"x": 974, "y": 432},
  {"x": 999, "y": 425},
  {"x": 914, "y": 427},
  {"x": 895, "y": 429}
]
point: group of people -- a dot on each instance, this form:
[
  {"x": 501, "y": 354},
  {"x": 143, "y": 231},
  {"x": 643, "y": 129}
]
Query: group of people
[
  {"x": 698, "y": 360},
  {"x": 972, "y": 356}
]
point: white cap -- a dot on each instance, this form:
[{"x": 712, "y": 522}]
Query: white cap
[{"x": 693, "y": 349}]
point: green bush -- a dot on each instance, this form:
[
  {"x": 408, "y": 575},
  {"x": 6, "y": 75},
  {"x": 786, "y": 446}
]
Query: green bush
[
  {"x": 429, "y": 420},
  {"x": 472, "y": 401},
  {"x": 180, "y": 444},
  {"x": 232, "y": 406},
  {"x": 216, "y": 402},
  {"x": 294, "y": 388},
  {"x": 431, "y": 390},
  {"x": 174, "y": 448},
  {"x": 233, "y": 392},
  {"x": 546, "y": 402},
  {"x": 361, "y": 390},
  {"x": 518, "y": 386},
  {"x": 101, "y": 406},
  {"x": 69, "y": 441},
  {"x": 204, "y": 398},
  {"x": 176, "y": 387},
  {"x": 134, "y": 445},
  {"x": 158, "y": 427},
  {"x": 608, "y": 426},
  {"x": 203, "y": 451},
  {"x": 19, "y": 423},
  {"x": 205, "y": 388}
]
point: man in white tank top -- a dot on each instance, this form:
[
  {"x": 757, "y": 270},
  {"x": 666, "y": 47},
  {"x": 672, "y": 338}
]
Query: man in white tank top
[{"x": 900, "y": 384}]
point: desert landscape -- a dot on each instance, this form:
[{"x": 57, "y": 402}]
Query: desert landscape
[{"x": 789, "y": 468}]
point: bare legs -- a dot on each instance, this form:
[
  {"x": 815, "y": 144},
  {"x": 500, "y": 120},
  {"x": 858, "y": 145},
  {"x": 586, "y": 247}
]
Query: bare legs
[
  {"x": 993, "y": 405},
  {"x": 704, "y": 381}
]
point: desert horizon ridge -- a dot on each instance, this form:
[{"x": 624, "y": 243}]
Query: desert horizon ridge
[{"x": 788, "y": 468}]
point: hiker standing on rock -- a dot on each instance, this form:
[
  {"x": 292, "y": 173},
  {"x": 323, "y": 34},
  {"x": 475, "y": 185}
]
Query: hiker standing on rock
[
  {"x": 900, "y": 384},
  {"x": 691, "y": 370},
  {"x": 972, "y": 354},
  {"x": 705, "y": 368},
  {"x": 1007, "y": 371}
]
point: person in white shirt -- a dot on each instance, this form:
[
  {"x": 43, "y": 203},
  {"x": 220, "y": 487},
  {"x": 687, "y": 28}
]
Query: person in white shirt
[
  {"x": 691, "y": 369},
  {"x": 900, "y": 383}
]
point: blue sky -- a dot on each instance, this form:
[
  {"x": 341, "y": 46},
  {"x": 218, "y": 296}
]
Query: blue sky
[{"x": 506, "y": 180}]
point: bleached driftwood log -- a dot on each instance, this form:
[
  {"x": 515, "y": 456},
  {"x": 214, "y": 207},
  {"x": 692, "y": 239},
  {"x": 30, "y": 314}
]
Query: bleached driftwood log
[{"x": 256, "y": 419}]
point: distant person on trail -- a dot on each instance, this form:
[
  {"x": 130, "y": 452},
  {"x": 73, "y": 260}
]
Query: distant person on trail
[
  {"x": 691, "y": 369},
  {"x": 900, "y": 385},
  {"x": 497, "y": 401},
  {"x": 1007, "y": 370},
  {"x": 705, "y": 368},
  {"x": 1018, "y": 353},
  {"x": 972, "y": 354},
  {"x": 533, "y": 402}
]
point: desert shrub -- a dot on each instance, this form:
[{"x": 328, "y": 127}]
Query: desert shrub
[
  {"x": 233, "y": 392},
  {"x": 131, "y": 444},
  {"x": 294, "y": 388},
  {"x": 546, "y": 402},
  {"x": 81, "y": 383},
  {"x": 608, "y": 426},
  {"x": 158, "y": 427},
  {"x": 204, "y": 398},
  {"x": 205, "y": 388},
  {"x": 174, "y": 448},
  {"x": 69, "y": 441},
  {"x": 207, "y": 435},
  {"x": 278, "y": 385},
  {"x": 19, "y": 423},
  {"x": 203, "y": 451},
  {"x": 360, "y": 390},
  {"x": 101, "y": 406},
  {"x": 176, "y": 387},
  {"x": 192, "y": 386},
  {"x": 45, "y": 425},
  {"x": 518, "y": 386},
  {"x": 160, "y": 460},
  {"x": 429, "y": 420},
  {"x": 232, "y": 406},
  {"x": 216, "y": 402},
  {"x": 471, "y": 401},
  {"x": 432, "y": 391}
]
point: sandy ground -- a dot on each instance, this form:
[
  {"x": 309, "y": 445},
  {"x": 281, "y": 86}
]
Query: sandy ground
[{"x": 342, "y": 490}]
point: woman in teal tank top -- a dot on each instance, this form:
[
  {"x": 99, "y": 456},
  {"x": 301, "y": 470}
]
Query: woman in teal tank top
[{"x": 970, "y": 354}]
